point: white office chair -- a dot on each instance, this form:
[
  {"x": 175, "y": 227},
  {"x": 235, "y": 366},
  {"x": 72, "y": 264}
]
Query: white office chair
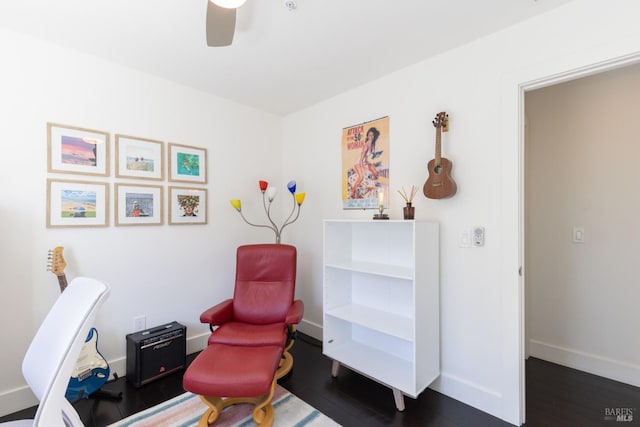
[{"x": 53, "y": 353}]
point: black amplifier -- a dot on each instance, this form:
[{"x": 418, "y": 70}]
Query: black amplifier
[{"x": 156, "y": 352}]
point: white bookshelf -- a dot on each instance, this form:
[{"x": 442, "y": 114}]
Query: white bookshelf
[{"x": 381, "y": 301}]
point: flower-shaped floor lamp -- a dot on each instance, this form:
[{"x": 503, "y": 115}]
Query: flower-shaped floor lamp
[{"x": 268, "y": 195}]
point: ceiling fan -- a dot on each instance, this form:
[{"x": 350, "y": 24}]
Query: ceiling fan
[{"x": 221, "y": 20}]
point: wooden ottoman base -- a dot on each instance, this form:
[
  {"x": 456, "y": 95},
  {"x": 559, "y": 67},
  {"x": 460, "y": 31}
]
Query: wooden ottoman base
[
  {"x": 225, "y": 375},
  {"x": 263, "y": 414}
]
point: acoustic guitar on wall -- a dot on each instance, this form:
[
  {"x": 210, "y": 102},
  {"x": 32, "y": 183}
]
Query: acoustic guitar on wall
[
  {"x": 439, "y": 185},
  {"x": 92, "y": 370}
]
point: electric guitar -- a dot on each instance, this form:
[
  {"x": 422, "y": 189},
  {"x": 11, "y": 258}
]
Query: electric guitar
[
  {"x": 439, "y": 185},
  {"x": 92, "y": 370}
]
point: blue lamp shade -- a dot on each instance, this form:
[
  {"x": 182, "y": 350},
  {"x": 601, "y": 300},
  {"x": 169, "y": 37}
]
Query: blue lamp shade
[{"x": 292, "y": 187}]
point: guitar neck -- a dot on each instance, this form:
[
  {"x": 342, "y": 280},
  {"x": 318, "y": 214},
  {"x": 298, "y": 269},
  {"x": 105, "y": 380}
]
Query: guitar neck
[
  {"x": 438, "y": 147},
  {"x": 62, "y": 281}
]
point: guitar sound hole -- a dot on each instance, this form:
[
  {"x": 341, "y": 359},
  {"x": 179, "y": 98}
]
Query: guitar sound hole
[{"x": 437, "y": 169}]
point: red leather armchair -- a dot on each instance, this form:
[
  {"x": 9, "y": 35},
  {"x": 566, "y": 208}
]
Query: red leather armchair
[{"x": 262, "y": 311}]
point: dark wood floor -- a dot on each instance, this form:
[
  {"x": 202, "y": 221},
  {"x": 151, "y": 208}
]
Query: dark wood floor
[{"x": 556, "y": 396}]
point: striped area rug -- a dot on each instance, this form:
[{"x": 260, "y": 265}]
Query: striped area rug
[{"x": 185, "y": 411}]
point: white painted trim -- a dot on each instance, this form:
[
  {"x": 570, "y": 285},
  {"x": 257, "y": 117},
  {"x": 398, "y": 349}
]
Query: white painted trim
[
  {"x": 16, "y": 400},
  {"x": 512, "y": 373},
  {"x": 515, "y": 84},
  {"x": 469, "y": 393},
  {"x": 197, "y": 343},
  {"x": 624, "y": 372},
  {"x": 311, "y": 328}
]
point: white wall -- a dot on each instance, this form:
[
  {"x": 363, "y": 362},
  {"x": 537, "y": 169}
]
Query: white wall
[
  {"x": 479, "y": 86},
  {"x": 168, "y": 272},
  {"x": 582, "y": 171}
]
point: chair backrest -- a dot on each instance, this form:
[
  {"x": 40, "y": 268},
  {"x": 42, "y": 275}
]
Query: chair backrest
[
  {"x": 53, "y": 353},
  {"x": 265, "y": 283}
]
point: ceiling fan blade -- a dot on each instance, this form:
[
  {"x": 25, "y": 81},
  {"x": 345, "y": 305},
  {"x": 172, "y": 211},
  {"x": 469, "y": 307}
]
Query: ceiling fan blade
[{"x": 221, "y": 24}]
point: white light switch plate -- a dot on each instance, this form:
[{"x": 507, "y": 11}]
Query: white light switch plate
[
  {"x": 578, "y": 235},
  {"x": 464, "y": 240}
]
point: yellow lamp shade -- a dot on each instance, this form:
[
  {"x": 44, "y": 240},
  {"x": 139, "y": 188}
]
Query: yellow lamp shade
[
  {"x": 236, "y": 203},
  {"x": 300, "y": 197}
]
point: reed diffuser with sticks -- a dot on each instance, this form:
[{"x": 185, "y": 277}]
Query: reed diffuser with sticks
[{"x": 409, "y": 209}]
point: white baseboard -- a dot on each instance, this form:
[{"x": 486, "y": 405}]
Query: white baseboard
[
  {"x": 16, "y": 400},
  {"x": 617, "y": 370},
  {"x": 475, "y": 395},
  {"x": 22, "y": 398},
  {"x": 197, "y": 343},
  {"x": 489, "y": 401},
  {"x": 310, "y": 328}
]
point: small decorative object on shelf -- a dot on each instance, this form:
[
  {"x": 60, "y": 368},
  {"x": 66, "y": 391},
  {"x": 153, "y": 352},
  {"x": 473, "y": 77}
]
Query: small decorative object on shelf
[
  {"x": 381, "y": 215},
  {"x": 270, "y": 193},
  {"x": 408, "y": 210}
]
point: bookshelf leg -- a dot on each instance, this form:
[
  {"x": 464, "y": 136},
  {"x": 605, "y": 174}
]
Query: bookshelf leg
[
  {"x": 335, "y": 367},
  {"x": 399, "y": 398}
]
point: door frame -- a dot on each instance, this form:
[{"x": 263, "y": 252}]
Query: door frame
[{"x": 514, "y": 87}]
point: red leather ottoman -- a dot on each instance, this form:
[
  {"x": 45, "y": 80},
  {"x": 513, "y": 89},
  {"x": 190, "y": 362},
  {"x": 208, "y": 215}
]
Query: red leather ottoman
[{"x": 224, "y": 375}]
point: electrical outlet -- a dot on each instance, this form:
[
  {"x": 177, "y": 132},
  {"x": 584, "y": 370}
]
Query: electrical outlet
[{"x": 139, "y": 323}]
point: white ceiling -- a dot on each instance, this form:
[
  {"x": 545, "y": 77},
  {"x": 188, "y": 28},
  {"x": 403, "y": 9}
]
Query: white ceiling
[{"x": 280, "y": 61}]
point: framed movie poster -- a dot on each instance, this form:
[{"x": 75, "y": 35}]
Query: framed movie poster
[{"x": 365, "y": 164}]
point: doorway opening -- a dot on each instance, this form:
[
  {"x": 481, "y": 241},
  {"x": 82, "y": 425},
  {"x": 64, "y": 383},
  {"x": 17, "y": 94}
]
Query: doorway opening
[
  {"x": 564, "y": 227},
  {"x": 580, "y": 234}
]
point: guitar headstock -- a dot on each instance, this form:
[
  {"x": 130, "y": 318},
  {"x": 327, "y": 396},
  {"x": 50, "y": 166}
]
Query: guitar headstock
[
  {"x": 441, "y": 121},
  {"x": 55, "y": 261}
]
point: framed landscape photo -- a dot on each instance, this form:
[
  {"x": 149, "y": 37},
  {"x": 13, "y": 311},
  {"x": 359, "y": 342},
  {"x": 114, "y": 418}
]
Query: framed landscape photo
[
  {"x": 77, "y": 150},
  {"x": 77, "y": 204},
  {"x": 138, "y": 204},
  {"x": 139, "y": 158},
  {"x": 187, "y": 164},
  {"x": 187, "y": 205}
]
